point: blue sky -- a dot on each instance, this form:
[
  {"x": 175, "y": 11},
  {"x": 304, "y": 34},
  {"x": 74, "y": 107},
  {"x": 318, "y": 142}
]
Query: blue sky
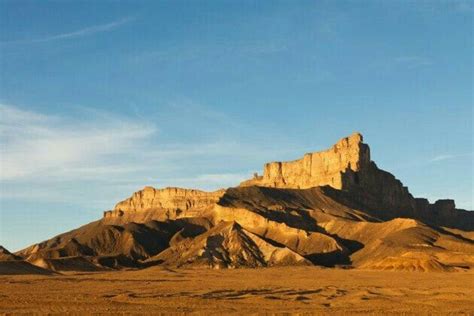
[{"x": 100, "y": 98}]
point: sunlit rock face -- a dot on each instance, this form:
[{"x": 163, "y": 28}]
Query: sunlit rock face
[
  {"x": 162, "y": 204},
  {"x": 168, "y": 198},
  {"x": 334, "y": 167},
  {"x": 345, "y": 166}
]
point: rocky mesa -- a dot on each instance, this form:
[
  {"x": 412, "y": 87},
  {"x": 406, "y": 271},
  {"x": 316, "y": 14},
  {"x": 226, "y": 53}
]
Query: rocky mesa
[{"x": 333, "y": 208}]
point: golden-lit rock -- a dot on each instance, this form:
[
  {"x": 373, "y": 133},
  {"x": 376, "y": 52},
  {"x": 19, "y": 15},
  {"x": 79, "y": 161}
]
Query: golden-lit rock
[
  {"x": 151, "y": 203},
  {"x": 319, "y": 168}
]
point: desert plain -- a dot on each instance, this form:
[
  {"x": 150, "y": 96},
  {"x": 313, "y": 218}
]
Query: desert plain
[{"x": 298, "y": 290}]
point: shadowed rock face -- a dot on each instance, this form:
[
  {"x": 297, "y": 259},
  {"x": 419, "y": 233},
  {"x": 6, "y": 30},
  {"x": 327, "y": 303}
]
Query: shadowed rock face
[
  {"x": 6, "y": 255},
  {"x": 228, "y": 245},
  {"x": 11, "y": 264},
  {"x": 331, "y": 208}
]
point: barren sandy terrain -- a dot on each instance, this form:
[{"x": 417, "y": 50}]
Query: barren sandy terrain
[{"x": 270, "y": 290}]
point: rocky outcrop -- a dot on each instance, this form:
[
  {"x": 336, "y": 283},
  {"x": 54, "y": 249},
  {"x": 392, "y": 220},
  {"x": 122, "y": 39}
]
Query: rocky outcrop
[
  {"x": 161, "y": 204},
  {"x": 107, "y": 243},
  {"x": 334, "y": 167},
  {"x": 11, "y": 264},
  {"x": 345, "y": 166},
  {"x": 444, "y": 213},
  {"x": 304, "y": 242},
  {"x": 228, "y": 245},
  {"x": 6, "y": 255}
]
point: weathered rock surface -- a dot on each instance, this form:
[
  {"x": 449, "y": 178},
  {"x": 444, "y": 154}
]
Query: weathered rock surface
[
  {"x": 161, "y": 204},
  {"x": 228, "y": 245},
  {"x": 333, "y": 167}
]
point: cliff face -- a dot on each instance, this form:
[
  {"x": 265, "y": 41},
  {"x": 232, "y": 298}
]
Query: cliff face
[
  {"x": 170, "y": 202},
  {"x": 333, "y": 167},
  {"x": 444, "y": 213},
  {"x": 345, "y": 166}
]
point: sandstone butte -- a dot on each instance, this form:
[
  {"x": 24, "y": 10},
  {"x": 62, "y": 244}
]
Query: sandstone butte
[{"x": 331, "y": 208}]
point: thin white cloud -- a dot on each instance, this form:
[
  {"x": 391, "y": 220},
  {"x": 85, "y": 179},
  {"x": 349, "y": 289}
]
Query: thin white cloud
[
  {"x": 90, "y": 155},
  {"x": 75, "y": 34},
  {"x": 447, "y": 157},
  {"x": 441, "y": 158},
  {"x": 36, "y": 144}
]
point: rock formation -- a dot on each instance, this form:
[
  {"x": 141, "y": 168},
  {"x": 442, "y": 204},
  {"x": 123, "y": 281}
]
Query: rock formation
[
  {"x": 345, "y": 166},
  {"x": 334, "y": 167},
  {"x": 330, "y": 208},
  {"x": 228, "y": 245},
  {"x": 13, "y": 264},
  {"x": 162, "y": 204},
  {"x": 6, "y": 255}
]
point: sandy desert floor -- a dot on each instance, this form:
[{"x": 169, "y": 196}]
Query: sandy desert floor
[{"x": 273, "y": 290}]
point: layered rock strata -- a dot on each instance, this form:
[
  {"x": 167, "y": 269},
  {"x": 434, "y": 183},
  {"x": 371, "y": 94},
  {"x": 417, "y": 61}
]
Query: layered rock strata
[{"x": 162, "y": 204}]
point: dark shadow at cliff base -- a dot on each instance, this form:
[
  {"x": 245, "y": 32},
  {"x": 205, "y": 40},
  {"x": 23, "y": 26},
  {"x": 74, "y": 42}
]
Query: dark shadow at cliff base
[
  {"x": 330, "y": 259},
  {"x": 441, "y": 213}
]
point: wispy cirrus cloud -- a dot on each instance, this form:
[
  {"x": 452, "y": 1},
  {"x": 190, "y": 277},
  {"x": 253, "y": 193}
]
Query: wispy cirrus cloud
[
  {"x": 86, "y": 31},
  {"x": 34, "y": 144},
  {"x": 447, "y": 157},
  {"x": 96, "y": 151},
  {"x": 95, "y": 158},
  {"x": 441, "y": 158}
]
